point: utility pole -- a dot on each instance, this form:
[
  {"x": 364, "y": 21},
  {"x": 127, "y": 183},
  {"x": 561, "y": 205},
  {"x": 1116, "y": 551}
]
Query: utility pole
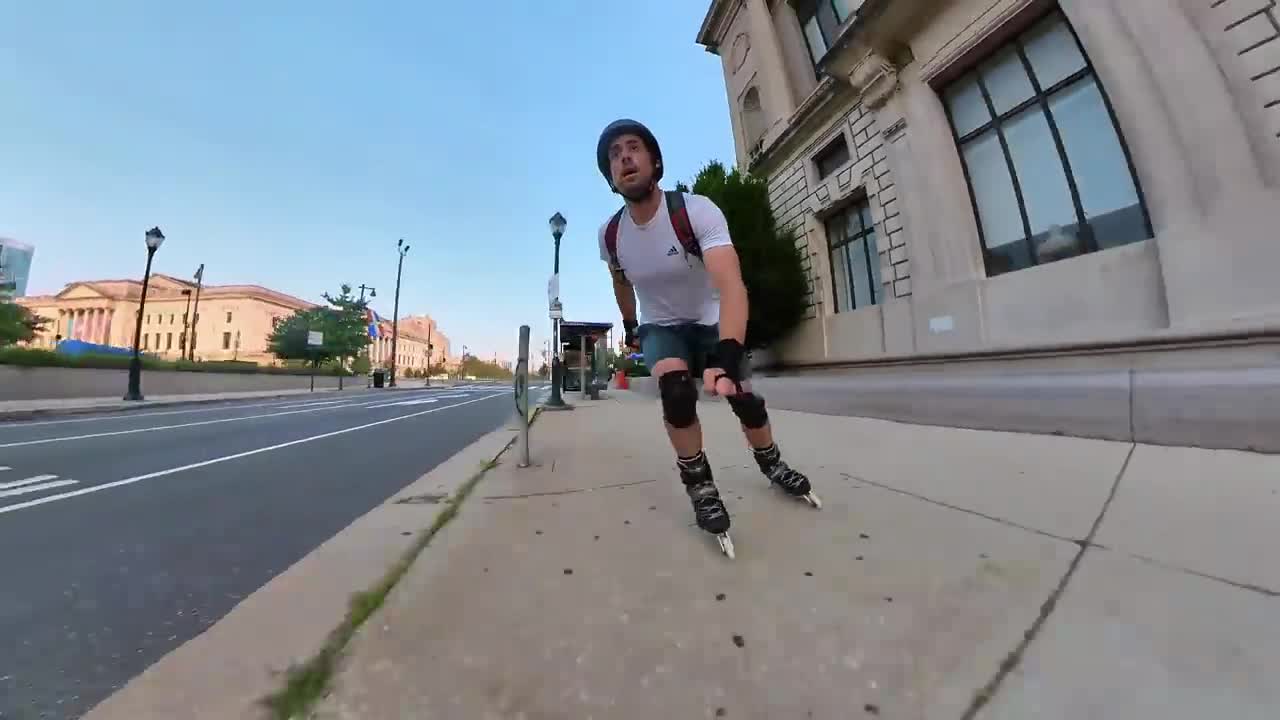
[
  {"x": 195, "y": 313},
  {"x": 429, "y": 326},
  {"x": 186, "y": 325},
  {"x": 402, "y": 250}
]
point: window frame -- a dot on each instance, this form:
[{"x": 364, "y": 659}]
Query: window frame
[
  {"x": 1040, "y": 98},
  {"x": 807, "y": 9},
  {"x": 852, "y": 210},
  {"x": 830, "y": 150}
]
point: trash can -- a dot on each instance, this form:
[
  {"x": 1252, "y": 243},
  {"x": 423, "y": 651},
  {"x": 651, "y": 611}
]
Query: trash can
[{"x": 378, "y": 378}]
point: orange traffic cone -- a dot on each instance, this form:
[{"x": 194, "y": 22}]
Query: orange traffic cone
[{"x": 622, "y": 380}]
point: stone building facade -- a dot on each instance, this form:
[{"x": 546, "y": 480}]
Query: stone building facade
[
  {"x": 977, "y": 176},
  {"x": 233, "y": 321}
]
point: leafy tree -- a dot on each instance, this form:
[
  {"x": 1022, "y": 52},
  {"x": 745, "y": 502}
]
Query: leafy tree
[
  {"x": 288, "y": 341},
  {"x": 347, "y": 333},
  {"x": 772, "y": 265},
  {"x": 343, "y": 325},
  {"x": 18, "y": 323}
]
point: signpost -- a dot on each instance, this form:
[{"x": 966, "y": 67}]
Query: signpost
[
  {"x": 522, "y": 394},
  {"x": 314, "y": 339}
]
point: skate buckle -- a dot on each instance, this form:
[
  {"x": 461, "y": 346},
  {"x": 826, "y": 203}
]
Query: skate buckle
[{"x": 726, "y": 544}]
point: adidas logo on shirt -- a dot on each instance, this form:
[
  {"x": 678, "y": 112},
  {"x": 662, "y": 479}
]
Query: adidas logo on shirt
[{"x": 673, "y": 251}]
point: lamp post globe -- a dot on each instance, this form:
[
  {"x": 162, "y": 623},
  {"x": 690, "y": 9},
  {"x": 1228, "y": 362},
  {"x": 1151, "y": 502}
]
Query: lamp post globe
[{"x": 154, "y": 238}]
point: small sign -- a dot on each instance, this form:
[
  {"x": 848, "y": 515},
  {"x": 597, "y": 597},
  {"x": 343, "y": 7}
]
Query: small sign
[
  {"x": 556, "y": 314},
  {"x": 553, "y": 291},
  {"x": 315, "y": 338}
]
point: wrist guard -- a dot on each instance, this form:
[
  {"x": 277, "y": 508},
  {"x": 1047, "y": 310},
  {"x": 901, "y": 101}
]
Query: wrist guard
[{"x": 728, "y": 357}]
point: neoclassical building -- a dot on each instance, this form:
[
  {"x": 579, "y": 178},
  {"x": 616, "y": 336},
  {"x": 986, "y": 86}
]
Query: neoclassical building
[
  {"x": 986, "y": 176},
  {"x": 233, "y": 321}
]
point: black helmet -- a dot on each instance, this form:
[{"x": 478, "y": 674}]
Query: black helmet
[{"x": 623, "y": 127}]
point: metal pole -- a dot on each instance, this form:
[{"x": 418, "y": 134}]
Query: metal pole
[
  {"x": 195, "y": 314},
  {"x": 428, "y": 356},
  {"x": 135, "y": 364},
  {"x": 186, "y": 324},
  {"x": 582, "y": 367},
  {"x": 522, "y": 394},
  {"x": 395, "y": 321}
]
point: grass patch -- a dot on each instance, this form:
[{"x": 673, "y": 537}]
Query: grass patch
[{"x": 308, "y": 682}]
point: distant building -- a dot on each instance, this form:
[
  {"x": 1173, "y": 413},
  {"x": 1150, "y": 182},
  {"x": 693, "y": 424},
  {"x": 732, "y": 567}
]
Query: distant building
[
  {"x": 417, "y": 333},
  {"x": 15, "y": 267},
  {"x": 233, "y": 321}
]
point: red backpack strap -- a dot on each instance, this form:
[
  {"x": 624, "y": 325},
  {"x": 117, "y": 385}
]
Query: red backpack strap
[
  {"x": 681, "y": 224},
  {"x": 611, "y": 241}
]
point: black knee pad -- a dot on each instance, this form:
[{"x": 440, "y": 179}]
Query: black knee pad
[
  {"x": 749, "y": 407},
  {"x": 679, "y": 399}
]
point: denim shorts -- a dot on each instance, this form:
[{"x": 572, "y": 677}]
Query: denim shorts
[{"x": 690, "y": 342}]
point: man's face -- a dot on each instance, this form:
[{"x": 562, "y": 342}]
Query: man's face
[{"x": 631, "y": 166}]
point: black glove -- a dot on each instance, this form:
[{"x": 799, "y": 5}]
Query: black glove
[
  {"x": 629, "y": 334},
  {"x": 728, "y": 357}
]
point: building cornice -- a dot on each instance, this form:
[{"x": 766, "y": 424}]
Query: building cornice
[
  {"x": 801, "y": 126},
  {"x": 715, "y": 24}
]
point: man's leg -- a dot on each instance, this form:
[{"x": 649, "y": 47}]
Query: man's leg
[
  {"x": 752, "y": 414},
  {"x": 667, "y": 353}
]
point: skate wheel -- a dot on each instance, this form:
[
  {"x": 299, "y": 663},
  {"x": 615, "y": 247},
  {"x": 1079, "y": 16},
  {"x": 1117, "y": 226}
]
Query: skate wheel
[
  {"x": 726, "y": 545},
  {"x": 814, "y": 500}
]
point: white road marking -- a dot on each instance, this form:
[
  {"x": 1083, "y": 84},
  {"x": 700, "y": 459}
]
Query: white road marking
[
  {"x": 310, "y": 404},
  {"x": 28, "y": 481},
  {"x": 225, "y": 458},
  {"x": 5, "y": 468},
  {"x": 68, "y": 438},
  {"x": 422, "y": 401},
  {"x": 36, "y": 488}
]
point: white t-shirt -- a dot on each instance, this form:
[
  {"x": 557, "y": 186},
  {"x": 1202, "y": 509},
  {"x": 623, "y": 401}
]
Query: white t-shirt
[{"x": 670, "y": 287}]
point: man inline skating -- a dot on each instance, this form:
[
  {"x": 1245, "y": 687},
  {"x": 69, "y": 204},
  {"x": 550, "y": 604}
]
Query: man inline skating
[{"x": 673, "y": 252}]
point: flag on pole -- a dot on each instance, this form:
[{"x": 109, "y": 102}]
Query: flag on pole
[{"x": 373, "y": 319}]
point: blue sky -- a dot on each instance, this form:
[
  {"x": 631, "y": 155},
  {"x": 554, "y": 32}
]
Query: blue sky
[{"x": 291, "y": 144}]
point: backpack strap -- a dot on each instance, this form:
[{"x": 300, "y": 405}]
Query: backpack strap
[
  {"x": 611, "y": 241},
  {"x": 681, "y": 224}
]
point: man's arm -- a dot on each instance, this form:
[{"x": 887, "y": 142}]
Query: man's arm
[
  {"x": 726, "y": 275},
  {"x": 625, "y": 294}
]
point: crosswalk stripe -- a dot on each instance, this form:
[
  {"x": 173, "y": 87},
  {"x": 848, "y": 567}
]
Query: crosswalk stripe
[
  {"x": 37, "y": 488},
  {"x": 31, "y": 480}
]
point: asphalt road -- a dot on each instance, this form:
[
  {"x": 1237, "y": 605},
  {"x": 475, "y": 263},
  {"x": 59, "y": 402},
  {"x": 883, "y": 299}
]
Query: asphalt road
[{"x": 122, "y": 536}]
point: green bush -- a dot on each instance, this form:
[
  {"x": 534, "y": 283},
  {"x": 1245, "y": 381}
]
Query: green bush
[{"x": 772, "y": 264}]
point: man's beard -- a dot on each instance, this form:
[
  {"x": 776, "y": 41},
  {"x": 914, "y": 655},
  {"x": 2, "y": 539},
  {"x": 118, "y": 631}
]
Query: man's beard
[{"x": 641, "y": 193}]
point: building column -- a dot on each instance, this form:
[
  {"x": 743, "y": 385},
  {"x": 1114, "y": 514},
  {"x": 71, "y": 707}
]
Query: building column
[{"x": 777, "y": 84}]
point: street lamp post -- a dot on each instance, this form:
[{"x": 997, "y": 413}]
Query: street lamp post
[
  {"x": 154, "y": 239},
  {"x": 557, "y": 224},
  {"x": 186, "y": 325},
  {"x": 195, "y": 315},
  {"x": 402, "y": 250}
]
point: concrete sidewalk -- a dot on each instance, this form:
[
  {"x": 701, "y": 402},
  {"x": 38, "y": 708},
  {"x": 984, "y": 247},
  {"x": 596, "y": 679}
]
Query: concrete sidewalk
[{"x": 951, "y": 574}]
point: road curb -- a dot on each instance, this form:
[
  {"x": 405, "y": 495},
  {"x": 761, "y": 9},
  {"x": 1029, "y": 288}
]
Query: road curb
[
  {"x": 37, "y": 414},
  {"x": 19, "y": 415}
]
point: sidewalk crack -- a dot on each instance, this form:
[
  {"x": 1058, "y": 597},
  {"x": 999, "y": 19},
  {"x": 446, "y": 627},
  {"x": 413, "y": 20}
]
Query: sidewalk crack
[
  {"x": 988, "y": 691},
  {"x": 949, "y": 506},
  {"x": 567, "y": 492}
]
